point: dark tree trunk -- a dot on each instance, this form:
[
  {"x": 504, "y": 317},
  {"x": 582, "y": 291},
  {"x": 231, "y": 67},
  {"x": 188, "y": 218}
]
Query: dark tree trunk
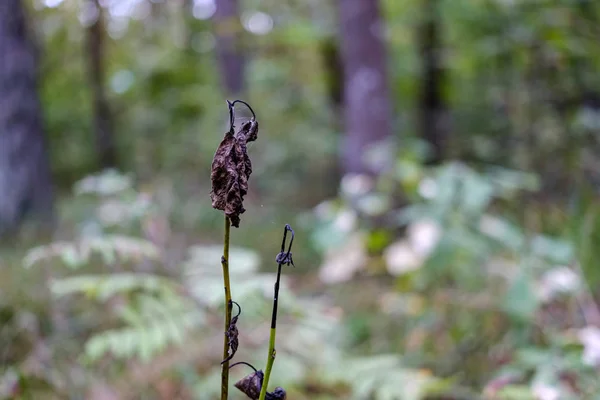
[
  {"x": 103, "y": 131},
  {"x": 334, "y": 75},
  {"x": 230, "y": 56},
  {"x": 433, "y": 124},
  {"x": 25, "y": 181},
  {"x": 332, "y": 62},
  {"x": 367, "y": 108}
]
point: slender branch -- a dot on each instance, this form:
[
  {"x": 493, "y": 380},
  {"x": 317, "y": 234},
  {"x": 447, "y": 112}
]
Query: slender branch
[
  {"x": 282, "y": 258},
  {"x": 228, "y": 307}
]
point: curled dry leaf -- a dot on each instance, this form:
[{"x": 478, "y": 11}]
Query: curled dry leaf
[
  {"x": 232, "y": 336},
  {"x": 231, "y": 169},
  {"x": 251, "y": 385}
]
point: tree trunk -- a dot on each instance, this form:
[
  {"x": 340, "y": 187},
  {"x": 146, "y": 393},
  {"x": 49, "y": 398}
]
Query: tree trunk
[
  {"x": 332, "y": 63},
  {"x": 230, "y": 56},
  {"x": 25, "y": 181},
  {"x": 367, "y": 108},
  {"x": 103, "y": 131},
  {"x": 432, "y": 109}
]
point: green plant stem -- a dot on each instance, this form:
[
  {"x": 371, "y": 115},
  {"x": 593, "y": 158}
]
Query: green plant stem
[
  {"x": 228, "y": 307},
  {"x": 270, "y": 361},
  {"x": 272, "y": 352}
]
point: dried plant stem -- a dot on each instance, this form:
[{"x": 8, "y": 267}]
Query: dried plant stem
[
  {"x": 228, "y": 307},
  {"x": 272, "y": 352},
  {"x": 282, "y": 258}
]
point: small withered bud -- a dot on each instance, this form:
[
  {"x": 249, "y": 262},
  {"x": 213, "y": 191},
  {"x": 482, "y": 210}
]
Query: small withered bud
[
  {"x": 285, "y": 257},
  {"x": 277, "y": 394},
  {"x": 231, "y": 168},
  {"x": 252, "y": 384}
]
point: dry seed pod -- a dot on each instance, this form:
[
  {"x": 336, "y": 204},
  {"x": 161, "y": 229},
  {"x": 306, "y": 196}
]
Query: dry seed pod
[
  {"x": 251, "y": 385},
  {"x": 231, "y": 169}
]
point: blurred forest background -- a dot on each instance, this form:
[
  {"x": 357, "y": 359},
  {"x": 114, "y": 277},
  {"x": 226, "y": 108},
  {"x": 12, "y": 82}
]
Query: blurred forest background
[{"x": 438, "y": 159}]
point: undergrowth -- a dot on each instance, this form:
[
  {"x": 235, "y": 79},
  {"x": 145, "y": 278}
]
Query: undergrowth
[{"x": 490, "y": 309}]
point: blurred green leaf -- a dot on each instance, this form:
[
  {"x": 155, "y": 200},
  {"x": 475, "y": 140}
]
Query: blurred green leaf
[{"x": 520, "y": 301}]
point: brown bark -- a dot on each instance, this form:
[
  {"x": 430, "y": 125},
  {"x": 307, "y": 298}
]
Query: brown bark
[
  {"x": 367, "y": 107},
  {"x": 229, "y": 51},
  {"x": 25, "y": 179},
  {"x": 103, "y": 130}
]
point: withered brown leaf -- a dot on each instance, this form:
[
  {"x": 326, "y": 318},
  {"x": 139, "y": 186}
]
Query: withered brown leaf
[
  {"x": 231, "y": 169},
  {"x": 232, "y": 335},
  {"x": 251, "y": 385}
]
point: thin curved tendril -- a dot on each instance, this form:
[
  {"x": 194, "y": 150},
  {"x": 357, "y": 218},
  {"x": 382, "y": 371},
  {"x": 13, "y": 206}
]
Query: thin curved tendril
[
  {"x": 239, "y": 308},
  {"x": 231, "y": 106},
  {"x": 245, "y": 363},
  {"x": 286, "y": 257},
  {"x": 285, "y": 231},
  {"x": 247, "y": 105}
]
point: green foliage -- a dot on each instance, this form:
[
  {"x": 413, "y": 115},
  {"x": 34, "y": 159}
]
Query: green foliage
[
  {"x": 520, "y": 301},
  {"x": 103, "y": 287},
  {"x": 110, "y": 248},
  {"x": 457, "y": 276},
  {"x": 386, "y": 378},
  {"x": 464, "y": 266},
  {"x": 152, "y": 324},
  {"x": 146, "y": 315},
  {"x": 155, "y": 314}
]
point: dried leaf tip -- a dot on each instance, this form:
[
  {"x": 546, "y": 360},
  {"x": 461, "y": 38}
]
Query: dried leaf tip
[{"x": 231, "y": 167}]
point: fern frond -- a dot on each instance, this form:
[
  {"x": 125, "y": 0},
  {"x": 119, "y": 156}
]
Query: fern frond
[
  {"x": 109, "y": 247},
  {"x": 384, "y": 377},
  {"x": 102, "y": 286},
  {"x": 155, "y": 315},
  {"x": 144, "y": 340}
]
